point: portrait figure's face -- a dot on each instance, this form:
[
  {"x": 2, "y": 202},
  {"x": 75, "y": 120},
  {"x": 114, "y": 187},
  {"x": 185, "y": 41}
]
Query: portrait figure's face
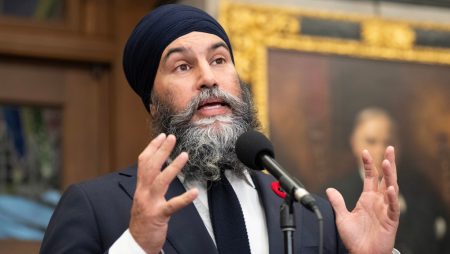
[{"x": 373, "y": 134}]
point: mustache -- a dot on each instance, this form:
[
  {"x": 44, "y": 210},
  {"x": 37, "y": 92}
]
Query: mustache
[
  {"x": 235, "y": 103},
  {"x": 169, "y": 120}
]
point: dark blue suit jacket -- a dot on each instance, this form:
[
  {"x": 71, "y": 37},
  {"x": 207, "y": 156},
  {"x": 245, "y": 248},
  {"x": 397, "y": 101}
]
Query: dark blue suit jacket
[{"x": 92, "y": 215}]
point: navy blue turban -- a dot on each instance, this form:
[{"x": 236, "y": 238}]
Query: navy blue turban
[{"x": 152, "y": 35}]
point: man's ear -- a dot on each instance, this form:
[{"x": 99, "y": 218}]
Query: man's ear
[{"x": 152, "y": 108}]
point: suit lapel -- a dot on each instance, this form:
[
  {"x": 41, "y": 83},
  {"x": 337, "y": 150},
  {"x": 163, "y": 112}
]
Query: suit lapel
[
  {"x": 186, "y": 232},
  {"x": 128, "y": 182}
]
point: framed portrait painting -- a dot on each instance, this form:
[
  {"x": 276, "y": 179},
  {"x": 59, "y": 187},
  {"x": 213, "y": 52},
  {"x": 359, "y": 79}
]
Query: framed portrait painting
[{"x": 312, "y": 74}]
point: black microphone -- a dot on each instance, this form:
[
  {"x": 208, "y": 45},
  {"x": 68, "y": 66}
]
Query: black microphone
[{"x": 256, "y": 152}]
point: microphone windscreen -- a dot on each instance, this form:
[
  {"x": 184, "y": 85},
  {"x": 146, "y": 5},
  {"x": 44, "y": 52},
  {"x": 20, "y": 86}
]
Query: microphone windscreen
[{"x": 250, "y": 146}]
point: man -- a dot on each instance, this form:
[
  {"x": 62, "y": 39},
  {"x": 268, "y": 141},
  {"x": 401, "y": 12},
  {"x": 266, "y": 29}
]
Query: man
[
  {"x": 180, "y": 61},
  {"x": 423, "y": 227}
]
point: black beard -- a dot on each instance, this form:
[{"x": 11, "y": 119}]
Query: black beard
[{"x": 210, "y": 145}]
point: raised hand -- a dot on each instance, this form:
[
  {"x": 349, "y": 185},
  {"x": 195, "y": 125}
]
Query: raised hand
[
  {"x": 151, "y": 212},
  {"x": 372, "y": 226}
]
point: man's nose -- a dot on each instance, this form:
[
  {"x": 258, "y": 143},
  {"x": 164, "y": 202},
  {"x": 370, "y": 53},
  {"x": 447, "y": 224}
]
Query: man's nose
[{"x": 206, "y": 76}]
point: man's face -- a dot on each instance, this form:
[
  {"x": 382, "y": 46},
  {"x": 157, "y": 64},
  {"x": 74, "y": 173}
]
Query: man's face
[
  {"x": 374, "y": 135},
  {"x": 198, "y": 97},
  {"x": 191, "y": 63}
]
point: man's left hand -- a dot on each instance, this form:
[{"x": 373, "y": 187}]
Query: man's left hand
[{"x": 372, "y": 226}]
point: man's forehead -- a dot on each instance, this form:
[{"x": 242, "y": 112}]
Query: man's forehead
[{"x": 194, "y": 39}]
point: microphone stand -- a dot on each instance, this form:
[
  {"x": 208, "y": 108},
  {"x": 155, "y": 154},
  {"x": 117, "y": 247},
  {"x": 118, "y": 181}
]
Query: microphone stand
[{"x": 287, "y": 223}]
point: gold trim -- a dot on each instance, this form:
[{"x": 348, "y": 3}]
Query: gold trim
[
  {"x": 380, "y": 33},
  {"x": 255, "y": 28}
]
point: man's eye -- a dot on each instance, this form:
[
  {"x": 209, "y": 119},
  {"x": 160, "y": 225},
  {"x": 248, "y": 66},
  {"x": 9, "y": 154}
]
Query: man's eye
[
  {"x": 183, "y": 67},
  {"x": 218, "y": 61}
]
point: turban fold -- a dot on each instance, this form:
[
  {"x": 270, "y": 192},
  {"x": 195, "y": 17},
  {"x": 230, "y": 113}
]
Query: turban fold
[{"x": 151, "y": 36}]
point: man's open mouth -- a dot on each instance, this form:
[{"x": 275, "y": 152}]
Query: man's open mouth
[{"x": 212, "y": 103}]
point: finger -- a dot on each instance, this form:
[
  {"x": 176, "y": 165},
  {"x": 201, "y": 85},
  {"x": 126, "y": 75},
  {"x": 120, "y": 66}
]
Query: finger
[
  {"x": 389, "y": 178},
  {"x": 383, "y": 188},
  {"x": 154, "y": 145},
  {"x": 370, "y": 172},
  {"x": 145, "y": 157},
  {"x": 382, "y": 185},
  {"x": 394, "y": 206},
  {"x": 163, "y": 152},
  {"x": 337, "y": 202},
  {"x": 389, "y": 168},
  {"x": 163, "y": 180},
  {"x": 389, "y": 154},
  {"x": 157, "y": 160},
  {"x": 179, "y": 202}
]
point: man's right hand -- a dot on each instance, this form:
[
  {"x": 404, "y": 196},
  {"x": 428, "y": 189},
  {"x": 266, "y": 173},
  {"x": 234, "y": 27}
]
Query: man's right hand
[{"x": 151, "y": 212}]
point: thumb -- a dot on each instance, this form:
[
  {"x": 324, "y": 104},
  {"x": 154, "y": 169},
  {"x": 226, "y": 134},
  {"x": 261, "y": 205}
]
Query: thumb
[{"x": 337, "y": 202}]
